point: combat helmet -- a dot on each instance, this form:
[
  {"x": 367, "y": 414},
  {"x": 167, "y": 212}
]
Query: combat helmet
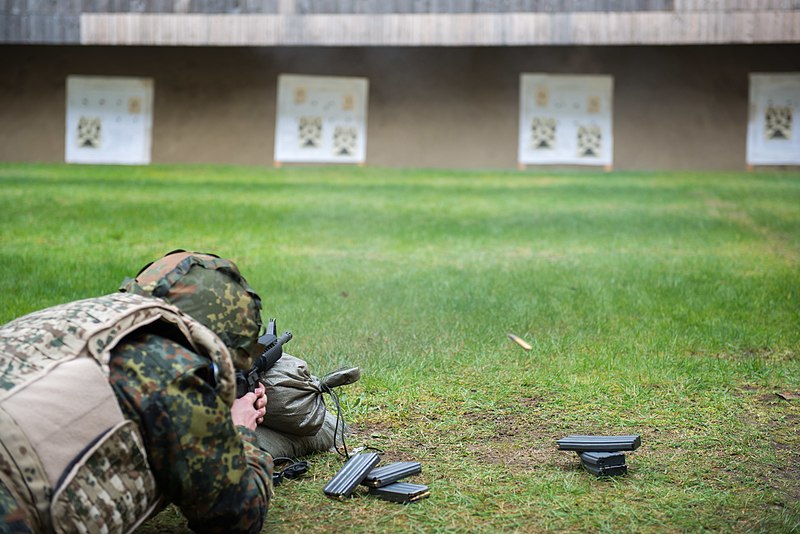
[{"x": 212, "y": 291}]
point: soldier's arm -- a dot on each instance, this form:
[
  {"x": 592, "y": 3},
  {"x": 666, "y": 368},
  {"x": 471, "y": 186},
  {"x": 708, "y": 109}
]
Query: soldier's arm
[{"x": 204, "y": 464}]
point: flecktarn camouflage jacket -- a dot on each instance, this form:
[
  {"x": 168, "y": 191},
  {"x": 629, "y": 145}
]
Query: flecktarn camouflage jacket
[{"x": 113, "y": 406}]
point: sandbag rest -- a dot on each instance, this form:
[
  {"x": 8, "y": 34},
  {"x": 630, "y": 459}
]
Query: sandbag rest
[{"x": 297, "y": 422}]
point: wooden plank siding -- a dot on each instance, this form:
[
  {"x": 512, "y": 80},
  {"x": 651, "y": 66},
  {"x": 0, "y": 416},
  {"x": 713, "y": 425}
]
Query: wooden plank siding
[
  {"x": 398, "y": 22},
  {"x": 384, "y": 7},
  {"x": 490, "y": 29}
]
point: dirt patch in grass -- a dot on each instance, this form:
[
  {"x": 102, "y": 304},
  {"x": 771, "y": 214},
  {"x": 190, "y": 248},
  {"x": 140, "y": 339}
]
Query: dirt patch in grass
[
  {"x": 764, "y": 353},
  {"x": 779, "y": 419},
  {"x": 519, "y": 439},
  {"x": 514, "y": 436}
]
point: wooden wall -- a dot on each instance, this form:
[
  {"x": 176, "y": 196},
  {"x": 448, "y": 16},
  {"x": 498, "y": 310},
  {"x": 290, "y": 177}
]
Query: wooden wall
[
  {"x": 398, "y": 22},
  {"x": 384, "y": 7}
]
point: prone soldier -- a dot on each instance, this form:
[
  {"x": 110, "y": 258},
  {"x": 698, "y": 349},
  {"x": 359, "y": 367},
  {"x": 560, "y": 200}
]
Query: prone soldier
[{"x": 113, "y": 407}]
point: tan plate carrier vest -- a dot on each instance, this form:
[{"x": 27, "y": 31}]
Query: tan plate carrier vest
[{"x": 67, "y": 453}]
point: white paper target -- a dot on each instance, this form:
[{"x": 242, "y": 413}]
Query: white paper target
[
  {"x": 321, "y": 119},
  {"x": 566, "y": 119},
  {"x": 109, "y": 120},
  {"x": 773, "y": 132}
]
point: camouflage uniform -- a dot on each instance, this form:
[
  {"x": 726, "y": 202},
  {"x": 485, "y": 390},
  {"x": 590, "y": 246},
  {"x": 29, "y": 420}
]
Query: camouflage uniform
[
  {"x": 212, "y": 471},
  {"x": 172, "y": 381}
]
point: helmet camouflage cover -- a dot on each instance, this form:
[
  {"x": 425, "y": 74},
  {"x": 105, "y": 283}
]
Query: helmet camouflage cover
[{"x": 212, "y": 291}]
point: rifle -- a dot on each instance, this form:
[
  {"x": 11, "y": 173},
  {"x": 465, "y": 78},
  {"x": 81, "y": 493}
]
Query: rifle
[{"x": 271, "y": 353}]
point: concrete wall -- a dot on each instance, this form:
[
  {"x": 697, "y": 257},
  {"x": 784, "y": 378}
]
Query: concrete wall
[{"x": 674, "y": 107}]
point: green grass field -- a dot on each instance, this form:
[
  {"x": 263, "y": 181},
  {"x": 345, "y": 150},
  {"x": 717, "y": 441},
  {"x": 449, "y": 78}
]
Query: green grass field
[{"x": 660, "y": 304}]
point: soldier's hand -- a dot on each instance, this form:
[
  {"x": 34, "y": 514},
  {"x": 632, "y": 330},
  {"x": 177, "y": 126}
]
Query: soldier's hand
[{"x": 249, "y": 410}]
